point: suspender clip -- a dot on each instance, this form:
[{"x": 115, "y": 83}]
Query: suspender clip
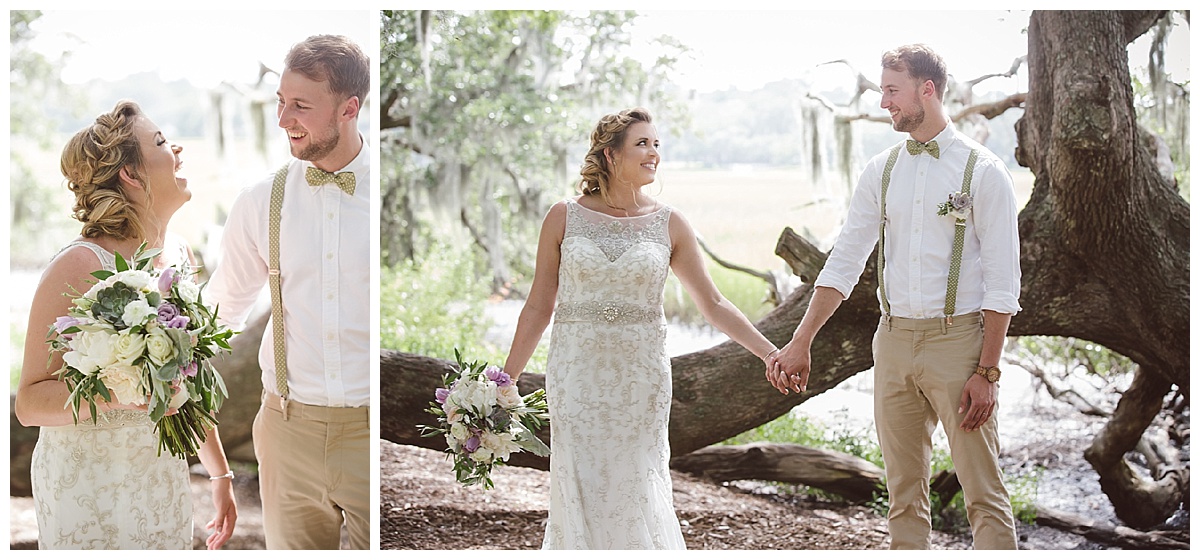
[{"x": 283, "y": 406}]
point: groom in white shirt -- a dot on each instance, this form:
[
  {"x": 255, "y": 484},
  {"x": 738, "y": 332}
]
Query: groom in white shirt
[
  {"x": 944, "y": 209},
  {"x": 312, "y": 432}
]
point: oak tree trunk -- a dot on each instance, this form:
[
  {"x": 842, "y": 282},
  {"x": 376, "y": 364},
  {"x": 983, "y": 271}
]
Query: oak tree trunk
[{"x": 1105, "y": 246}]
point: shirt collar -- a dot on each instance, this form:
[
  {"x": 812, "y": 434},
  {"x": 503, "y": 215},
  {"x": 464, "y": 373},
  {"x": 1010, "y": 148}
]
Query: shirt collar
[{"x": 944, "y": 138}]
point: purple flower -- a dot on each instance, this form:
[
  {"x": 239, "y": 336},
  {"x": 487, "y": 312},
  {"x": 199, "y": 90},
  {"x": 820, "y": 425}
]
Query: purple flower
[
  {"x": 441, "y": 394},
  {"x": 497, "y": 376},
  {"x": 178, "y": 322},
  {"x": 167, "y": 311},
  {"x": 190, "y": 370},
  {"x": 471, "y": 444},
  {"x": 166, "y": 280},
  {"x": 65, "y": 322}
]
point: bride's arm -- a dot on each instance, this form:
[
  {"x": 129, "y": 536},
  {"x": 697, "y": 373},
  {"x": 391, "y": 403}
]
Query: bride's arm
[
  {"x": 539, "y": 307},
  {"x": 687, "y": 262},
  {"x": 212, "y": 456},
  {"x": 41, "y": 397}
]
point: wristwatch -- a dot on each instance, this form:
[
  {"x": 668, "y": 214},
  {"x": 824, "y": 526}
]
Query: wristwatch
[{"x": 992, "y": 374}]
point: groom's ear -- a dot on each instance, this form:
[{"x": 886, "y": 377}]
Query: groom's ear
[{"x": 350, "y": 107}]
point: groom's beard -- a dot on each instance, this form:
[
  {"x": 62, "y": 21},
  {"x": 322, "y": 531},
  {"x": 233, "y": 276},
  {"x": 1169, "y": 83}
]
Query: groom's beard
[
  {"x": 319, "y": 148},
  {"x": 910, "y": 122}
]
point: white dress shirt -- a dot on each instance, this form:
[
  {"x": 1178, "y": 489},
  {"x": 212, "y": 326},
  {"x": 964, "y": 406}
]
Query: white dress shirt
[
  {"x": 918, "y": 240},
  {"x": 324, "y": 262}
]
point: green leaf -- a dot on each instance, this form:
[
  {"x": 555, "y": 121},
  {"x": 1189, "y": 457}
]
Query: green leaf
[
  {"x": 122, "y": 265},
  {"x": 103, "y": 274}
]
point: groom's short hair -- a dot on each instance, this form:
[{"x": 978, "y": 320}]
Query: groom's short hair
[
  {"x": 333, "y": 59},
  {"x": 919, "y": 62}
]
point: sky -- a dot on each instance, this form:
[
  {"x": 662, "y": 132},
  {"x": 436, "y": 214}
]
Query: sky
[
  {"x": 204, "y": 47},
  {"x": 731, "y": 48},
  {"x": 747, "y": 49}
]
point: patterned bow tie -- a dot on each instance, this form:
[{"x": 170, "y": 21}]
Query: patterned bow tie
[
  {"x": 344, "y": 180},
  {"x": 931, "y": 146}
]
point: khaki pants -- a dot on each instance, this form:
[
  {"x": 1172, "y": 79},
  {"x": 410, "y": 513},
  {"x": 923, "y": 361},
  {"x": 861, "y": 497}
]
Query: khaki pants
[
  {"x": 314, "y": 472},
  {"x": 920, "y": 372}
]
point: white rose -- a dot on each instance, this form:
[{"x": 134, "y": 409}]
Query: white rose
[
  {"x": 481, "y": 455},
  {"x": 91, "y": 351},
  {"x": 460, "y": 432},
  {"x": 451, "y": 443},
  {"x": 124, "y": 382},
  {"x": 508, "y": 397},
  {"x": 187, "y": 289},
  {"x": 479, "y": 396},
  {"x": 128, "y": 347},
  {"x": 500, "y": 445},
  {"x": 136, "y": 279},
  {"x": 136, "y": 313},
  {"x": 160, "y": 347}
]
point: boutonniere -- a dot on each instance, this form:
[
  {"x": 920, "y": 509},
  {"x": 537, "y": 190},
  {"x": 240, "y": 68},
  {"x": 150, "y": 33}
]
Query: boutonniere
[{"x": 957, "y": 205}]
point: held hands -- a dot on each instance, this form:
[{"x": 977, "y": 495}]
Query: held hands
[
  {"x": 794, "y": 357},
  {"x": 978, "y": 401}
]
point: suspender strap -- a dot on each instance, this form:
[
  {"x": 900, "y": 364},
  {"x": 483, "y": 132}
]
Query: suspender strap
[
  {"x": 960, "y": 232},
  {"x": 887, "y": 178},
  {"x": 273, "y": 278}
]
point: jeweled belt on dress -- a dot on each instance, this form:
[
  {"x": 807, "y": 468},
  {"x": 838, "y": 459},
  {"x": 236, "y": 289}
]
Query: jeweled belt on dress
[{"x": 607, "y": 313}]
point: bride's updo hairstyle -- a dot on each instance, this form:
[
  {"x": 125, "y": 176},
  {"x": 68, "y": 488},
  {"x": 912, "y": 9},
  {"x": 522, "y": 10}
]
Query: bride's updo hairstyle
[
  {"x": 92, "y": 161},
  {"x": 597, "y": 170}
]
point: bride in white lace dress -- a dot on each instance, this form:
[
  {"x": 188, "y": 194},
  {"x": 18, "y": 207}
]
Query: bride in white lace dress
[
  {"x": 100, "y": 484},
  {"x": 604, "y": 257}
]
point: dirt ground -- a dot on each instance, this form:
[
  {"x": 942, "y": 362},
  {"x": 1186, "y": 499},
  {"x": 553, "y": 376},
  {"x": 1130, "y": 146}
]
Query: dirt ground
[{"x": 422, "y": 507}]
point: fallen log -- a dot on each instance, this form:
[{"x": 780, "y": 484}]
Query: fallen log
[
  {"x": 1107, "y": 533},
  {"x": 848, "y": 476}
]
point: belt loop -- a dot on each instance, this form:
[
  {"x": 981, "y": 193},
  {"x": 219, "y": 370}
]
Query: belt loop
[
  {"x": 887, "y": 318},
  {"x": 946, "y": 321},
  {"x": 283, "y": 405}
]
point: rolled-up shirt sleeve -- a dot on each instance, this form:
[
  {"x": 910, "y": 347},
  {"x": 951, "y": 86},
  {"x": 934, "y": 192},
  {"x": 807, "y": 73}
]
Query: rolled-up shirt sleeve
[
  {"x": 995, "y": 217},
  {"x": 859, "y": 234},
  {"x": 239, "y": 278}
]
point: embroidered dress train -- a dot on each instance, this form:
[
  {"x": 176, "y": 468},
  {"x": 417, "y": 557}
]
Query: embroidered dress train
[
  {"x": 608, "y": 384},
  {"x": 103, "y": 485}
]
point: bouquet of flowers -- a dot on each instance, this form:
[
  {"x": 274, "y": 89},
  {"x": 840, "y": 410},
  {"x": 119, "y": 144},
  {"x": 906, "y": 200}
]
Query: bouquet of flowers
[
  {"x": 485, "y": 420},
  {"x": 145, "y": 337}
]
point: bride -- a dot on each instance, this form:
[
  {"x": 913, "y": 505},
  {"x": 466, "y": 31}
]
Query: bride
[
  {"x": 604, "y": 256},
  {"x": 100, "y": 484}
]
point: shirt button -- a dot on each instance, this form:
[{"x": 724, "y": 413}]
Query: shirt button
[
  {"x": 329, "y": 256},
  {"x": 329, "y": 296},
  {"x": 330, "y": 215}
]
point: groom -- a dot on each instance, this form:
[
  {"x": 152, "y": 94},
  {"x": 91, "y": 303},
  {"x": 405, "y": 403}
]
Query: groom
[
  {"x": 305, "y": 232},
  {"x": 942, "y": 206}
]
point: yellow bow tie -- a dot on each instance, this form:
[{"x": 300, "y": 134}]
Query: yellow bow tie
[
  {"x": 344, "y": 180},
  {"x": 931, "y": 146}
]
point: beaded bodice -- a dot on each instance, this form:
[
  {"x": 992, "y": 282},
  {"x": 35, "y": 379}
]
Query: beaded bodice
[{"x": 608, "y": 261}]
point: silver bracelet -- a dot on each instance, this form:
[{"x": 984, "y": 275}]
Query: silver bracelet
[
  {"x": 764, "y": 358},
  {"x": 228, "y": 475}
]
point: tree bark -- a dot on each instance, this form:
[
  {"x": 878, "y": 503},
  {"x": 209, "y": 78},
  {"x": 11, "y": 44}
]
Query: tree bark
[
  {"x": 1115, "y": 535},
  {"x": 848, "y": 476},
  {"x": 1105, "y": 248}
]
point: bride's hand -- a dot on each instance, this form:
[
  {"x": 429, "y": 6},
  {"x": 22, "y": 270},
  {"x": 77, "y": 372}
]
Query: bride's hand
[{"x": 226, "y": 517}]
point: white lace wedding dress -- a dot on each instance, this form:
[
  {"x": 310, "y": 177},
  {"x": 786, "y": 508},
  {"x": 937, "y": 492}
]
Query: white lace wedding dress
[
  {"x": 103, "y": 485},
  {"x": 608, "y": 384}
]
